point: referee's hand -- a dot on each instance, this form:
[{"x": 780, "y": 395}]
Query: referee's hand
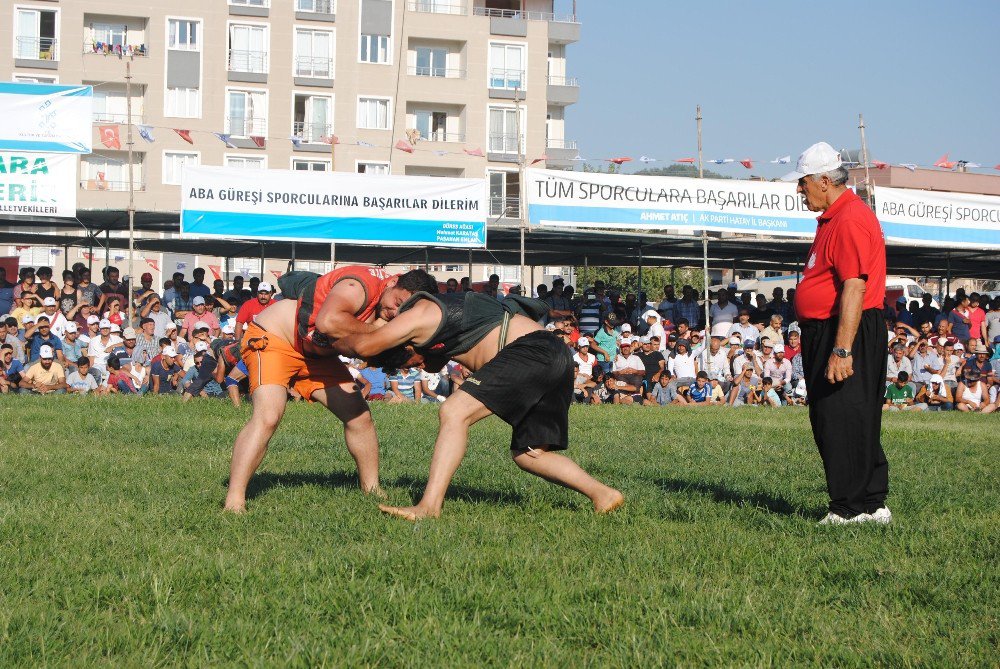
[{"x": 838, "y": 369}]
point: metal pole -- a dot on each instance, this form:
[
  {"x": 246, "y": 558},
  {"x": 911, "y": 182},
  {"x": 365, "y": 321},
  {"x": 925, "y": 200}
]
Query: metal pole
[
  {"x": 262, "y": 259},
  {"x": 333, "y": 255},
  {"x": 107, "y": 251},
  {"x": 869, "y": 196},
  {"x": 470, "y": 269},
  {"x": 131, "y": 195},
  {"x": 704, "y": 255},
  {"x": 427, "y": 260},
  {"x": 947, "y": 289},
  {"x": 291, "y": 264},
  {"x": 65, "y": 258},
  {"x": 522, "y": 206},
  {"x": 638, "y": 292},
  {"x": 226, "y": 259}
]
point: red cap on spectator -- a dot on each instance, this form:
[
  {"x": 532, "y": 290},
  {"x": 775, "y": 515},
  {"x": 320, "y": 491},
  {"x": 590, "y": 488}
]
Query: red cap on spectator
[{"x": 146, "y": 276}]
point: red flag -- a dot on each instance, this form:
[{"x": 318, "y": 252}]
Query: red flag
[
  {"x": 619, "y": 161},
  {"x": 403, "y": 145},
  {"x": 109, "y": 136},
  {"x": 996, "y": 167},
  {"x": 880, "y": 165},
  {"x": 277, "y": 273},
  {"x": 475, "y": 152},
  {"x": 258, "y": 140},
  {"x": 330, "y": 139},
  {"x": 747, "y": 163},
  {"x": 690, "y": 161},
  {"x": 943, "y": 162},
  {"x": 216, "y": 271},
  {"x": 155, "y": 264},
  {"x": 86, "y": 256},
  {"x": 185, "y": 135},
  {"x": 539, "y": 159}
]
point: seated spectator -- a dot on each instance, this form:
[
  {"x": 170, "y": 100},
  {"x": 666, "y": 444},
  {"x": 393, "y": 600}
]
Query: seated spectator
[
  {"x": 404, "y": 386},
  {"x": 663, "y": 393},
  {"x": 794, "y": 345},
  {"x": 774, "y": 330},
  {"x": 250, "y": 308},
  {"x": 72, "y": 347},
  {"x": 601, "y": 393},
  {"x": 936, "y": 395},
  {"x": 898, "y": 362},
  {"x": 978, "y": 359},
  {"x": 118, "y": 381},
  {"x": 200, "y": 378},
  {"x": 79, "y": 381},
  {"x": 683, "y": 365},
  {"x": 628, "y": 368},
  {"x": 9, "y": 328},
  {"x": 780, "y": 371},
  {"x": 623, "y": 391},
  {"x": 45, "y": 377},
  {"x": 972, "y": 394},
  {"x": 925, "y": 363},
  {"x": 147, "y": 344},
  {"x": 652, "y": 361},
  {"x": 743, "y": 387},
  {"x": 166, "y": 372},
  {"x": 765, "y": 394},
  {"x": 582, "y": 384},
  {"x": 899, "y": 395},
  {"x": 39, "y": 335},
  {"x": 377, "y": 381},
  {"x": 799, "y": 396},
  {"x": 11, "y": 369},
  {"x": 101, "y": 346},
  {"x": 431, "y": 388},
  {"x": 114, "y": 314},
  {"x": 197, "y": 319},
  {"x": 701, "y": 392}
]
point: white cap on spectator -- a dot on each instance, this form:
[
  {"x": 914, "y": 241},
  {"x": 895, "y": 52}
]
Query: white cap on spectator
[
  {"x": 71, "y": 327},
  {"x": 49, "y": 302},
  {"x": 942, "y": 341},
  {"x": 115, "y": 327},
  {"x": 129, "y": 333},
  {"x": 201, "y": 325},
  {"x": 264, "y": 287},
  {"x": 626, "y": 341},
  {"x": 959, "y": 347},
  {"x": 937, "y": 378},
  {"x": 550, "y": 327},
  {"x": 28, "y": 318},
  {"x": 201, "y": 346},
  {"x": 626, "y": 327},
  {"x": 651, "y": 314},
  {"x": 800, "y": 389},
  {"x": 779, "y": 348},
  {"x": 92, "y": 318},
  {"x": 46, "y": 353},
  {"x": 720, "y": 330},
  {"x": 170, "y": 326},
  {"x": 818, "y": 158},
  {"x": 170, "y": 351},
  {"x": 104, "y": 323},
  {"x": 582, "y": 341},
  {"x": 198, "y": 300},
  {"x": 644, "y": 339},
  {"x": 228, "y": 328}
]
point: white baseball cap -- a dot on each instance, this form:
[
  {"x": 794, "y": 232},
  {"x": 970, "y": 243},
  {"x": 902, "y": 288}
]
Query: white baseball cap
[
  {"x": 201, "y": 325},
  {"x": 720, "y": 330},
  {"x": 800, "y": 388},
  {"x": 264, "y": 287},
  {"x": 959, "y": 347},
  {"x": 779, "y": 348},
  {"x": 71, "y": 327},
  {"x": 228, "y": 328},
  {"x": 104, "y": 323},
  {"x": 626, "y": 327},
  {"x": 942, "y": 341},
  {"x": 198, "y": 300},
  {"x": 550, "y": 327},
  {"x": 91, "y": 319},
  {"x": 28, "y": 318},
  {"x": 201, "y": 346},
  {"x": 169, "y": 351},
  {"x": 651, "y": 314},
  {"x": 169, "y": 326},
  {"x": 937, "y": 378},
  {"x": 818, "y": 158},
  {"x": 49, "y": 302},
  {"x": 626, "y": 341},
  {"x": 115, "y": 327},
  {"x": 583, "y": 341},
  {"x": 129, "y": 333},
  {"x": 46, "y": 352}
]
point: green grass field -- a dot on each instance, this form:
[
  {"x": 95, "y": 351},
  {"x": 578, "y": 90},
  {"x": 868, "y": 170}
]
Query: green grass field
[{"x": 113, "y": 548}]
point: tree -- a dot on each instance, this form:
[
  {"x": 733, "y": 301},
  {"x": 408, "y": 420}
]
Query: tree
[
  {"x": 626, "y": 279},
  {"x": 679, "y": 170}
]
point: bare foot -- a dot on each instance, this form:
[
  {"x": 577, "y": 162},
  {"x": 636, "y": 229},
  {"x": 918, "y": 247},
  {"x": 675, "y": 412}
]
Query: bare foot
[
  {"x": 236, "y": 509},
  {"x": 377, "y": 492},
  {"x": 410, "y": 513},
  {"x": 609, "y": 502}
]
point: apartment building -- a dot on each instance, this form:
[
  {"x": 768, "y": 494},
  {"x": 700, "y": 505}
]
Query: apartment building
[{"x": 282, "y": 77}]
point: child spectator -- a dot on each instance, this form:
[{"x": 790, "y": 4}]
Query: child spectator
[{"x": 79, "y": 381}]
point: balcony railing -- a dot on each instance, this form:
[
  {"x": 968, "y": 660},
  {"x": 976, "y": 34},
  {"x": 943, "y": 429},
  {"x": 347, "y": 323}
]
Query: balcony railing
[
  {"x": 509, "y": 207},
  {"x": 439, "y": 72},
  {"x": 564, "y": 81},
  {"x": 560, "y": 144},
  {"x": 105, "y": 48},
  {"x": 37, "y": 48},
  {"x": 248, "y": 61},
  {"x": 503, "y": 144},
  {"x": 438, "y": 7},
  {"x": 518, "y": 14},
  {"x": 509, "y": 79},
  {"x": 251, "y": 3},
  {"x": 441, "y": 136},
  {"x": 106, "y": 117},
  {"x": 242, "y": 126},
  {"x": 311, "y": 132},
  {"x": 315, "y": 6},
  {"x": 103, "y": 184},
  {"x": 310, "y": 66}
]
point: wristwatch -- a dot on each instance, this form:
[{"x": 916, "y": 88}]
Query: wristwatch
[{"x": 841, "y": 353}]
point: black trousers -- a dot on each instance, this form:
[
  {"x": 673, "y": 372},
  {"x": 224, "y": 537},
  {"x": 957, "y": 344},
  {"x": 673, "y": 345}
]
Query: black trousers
[{"x": 846, "y": 417}]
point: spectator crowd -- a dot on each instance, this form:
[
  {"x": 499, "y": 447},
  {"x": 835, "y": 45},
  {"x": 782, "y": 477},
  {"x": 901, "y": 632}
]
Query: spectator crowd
[{"x": 77, "y": 338}]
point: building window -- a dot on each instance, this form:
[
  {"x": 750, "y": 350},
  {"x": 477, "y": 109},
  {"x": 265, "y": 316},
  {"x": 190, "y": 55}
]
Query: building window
[
  {"x": 505, "y": 194},
  {"x": 503, "y": 130},
  {"x": 35, "y": 33},
  {"x": 248, "y": 48},
  {"x": 317, "y": 6},
  {"x": 183, "y": 35},
  {"x": 246, "y": 113},
  {"x": 111, "y": 106},
  {"x": 182, "y": 103},
  {"x": 251, "y": 3},
  {"x": 174, "y": 161},
  {"x": 507, "y": 66},
  {"x": 310, "y": 165},
  {"x": 374, "y": 49},
  {"x": 432, "y": 125},
  {"x": 431, "y": 62},
  {"x": 246, "y": 162},
  {"x": 314, "y": 53},
  {"x": 105, "y": 172},
  {"x": 114, "y": 34},
  {"x": 373, "y": 113},
  {"x": 312, "y": 117},
  {"x": 373, "y": 168},
  {"x": 35, "y": 79}
]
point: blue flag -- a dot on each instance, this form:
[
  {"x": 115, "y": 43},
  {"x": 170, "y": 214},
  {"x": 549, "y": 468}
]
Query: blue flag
[
  {"x": 146, "y": 132},
  {"x": 225, "y": 139}
]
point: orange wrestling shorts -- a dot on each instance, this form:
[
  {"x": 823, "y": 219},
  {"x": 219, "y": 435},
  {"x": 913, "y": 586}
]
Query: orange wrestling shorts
[{"x": 272, "y": 360}]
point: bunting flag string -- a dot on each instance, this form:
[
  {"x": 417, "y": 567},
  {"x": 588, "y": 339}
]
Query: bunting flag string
[
  {"x": 146, "y": 132},
  {"x": 184, "y": 134},
  {"x": 110, "y": 136}
]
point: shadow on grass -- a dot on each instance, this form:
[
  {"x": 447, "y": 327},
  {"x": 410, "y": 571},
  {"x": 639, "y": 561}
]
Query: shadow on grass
[
  {"x": 720, "y": 493},
  {"x": 459, "y": 491}
]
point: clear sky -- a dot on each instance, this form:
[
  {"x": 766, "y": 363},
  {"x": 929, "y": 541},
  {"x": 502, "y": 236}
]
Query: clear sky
[{"x": 773, "y": 77}]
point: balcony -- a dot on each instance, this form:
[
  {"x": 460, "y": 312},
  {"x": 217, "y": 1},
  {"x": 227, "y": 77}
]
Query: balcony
[
  {"x": 242, "y": 130},
  {"x": 38, "y": 52},
  {"x": 442, "y": 136},
  {"x": 436, "y": 72},
  {"x": 311, "y": 135},
  {"x": 103, "y": 184},
  {"x": 502, "y": 148},
  {"x": 120, "y": 50},
  {"x": 563, "y": 29},
  {"x": 505, "y": 84},
  {"x": 119, "y": 118},
  {"x": 505, "y": 207},
  {"x": 247, "y": 66},
  {"x": 563, "y": 90},
  {"x": 452, "y": 7},
  {"x": 560, "y": 152},
  {"x": 315, "y": 10},
  {"x": 249, "y": 7},
  {"x": 314, "y": 71}
]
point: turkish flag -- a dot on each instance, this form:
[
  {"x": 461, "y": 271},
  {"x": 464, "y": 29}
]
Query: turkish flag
[
  {"x": 185, "y": 135},
  {"x": 330, "y": 139},
  {"x": 110, "y": 136},
  {"x": 539, "y": 159},
  {"x": 277, "y": 273},
  {"x": 474, "y": 152},
  {"x": 943, "y": 162},
  {"x": 747, "y": 163},
  {"x": 689, "y": 161},
  {"x": 258, "y": 140},
  {"x": 619, "y": 161},
  {"x": 403, "y": 145},
  {"x": 880, "y": 165},
  {"x": 216, "y": 271},
  {"x": 155, "y": 264},
  {"x": 87, "y": 256}
]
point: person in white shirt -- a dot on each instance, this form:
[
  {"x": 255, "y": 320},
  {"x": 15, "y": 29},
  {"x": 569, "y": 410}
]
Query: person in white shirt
[
  {"x": 748, "y": 358},
  {"x": 57, "y": 321},
  {"x": 723, "y": 311},
  {"x": 585, "y": 359},
  {"x": 683, "y": 365},
  {"x": 747, "y": 330},
  {"x": 101, "y": 345},
  {"x": 656, "y": 328},
  {"x": 715, "y": 359},
  {"x": 780, "y": 371}
]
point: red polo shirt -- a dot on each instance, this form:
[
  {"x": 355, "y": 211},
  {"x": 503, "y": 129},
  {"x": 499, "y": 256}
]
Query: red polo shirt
[
  {"x": 251, "y": 308},
  {"x": 849, "y": 244}
]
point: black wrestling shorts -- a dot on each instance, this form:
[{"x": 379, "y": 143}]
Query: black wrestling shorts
[{"x": 529, "y": 384}]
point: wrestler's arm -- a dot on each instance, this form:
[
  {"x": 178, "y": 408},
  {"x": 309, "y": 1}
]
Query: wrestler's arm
[
  {"x": 336, "y": 318},
  {"x": 416, "y": 324}
]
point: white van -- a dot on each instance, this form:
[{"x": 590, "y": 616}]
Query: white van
[{"x": 894, "y": 287}]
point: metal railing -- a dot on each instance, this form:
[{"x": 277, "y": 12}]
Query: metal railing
[
  {"x": 251, "y": 3},
  {"x": 439, "y": 72},
  {"x": 509, "y": 207},
  {"x": 518, "y": 14},
  {"x": 310, "y": 66},
  {"x": 502, "y": 144},
  {"x": 441, "y": 136},
  {"x": 103, "y": 48},
  {"x": 105, "y": 117},
  {"x": 315, "y": 6},
  {"x": 560, "y": 143},
  {"x": 242, "y": 126},
  {"x": 564, "y": 81},
  {"x": 437, "y": 7},
  {"x": 247, "y": 61},
  {"x": 103, "y": 184},
  {"x": 508, "y": 79},
  {"x": 37, "y": 48},
  {"x": 311, "y": 132}
]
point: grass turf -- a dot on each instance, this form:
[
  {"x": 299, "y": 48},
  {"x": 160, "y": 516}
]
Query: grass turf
[{"x": 113, "y": 548}]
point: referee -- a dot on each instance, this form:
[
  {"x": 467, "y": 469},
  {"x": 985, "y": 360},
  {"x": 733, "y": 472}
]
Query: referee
[{"x": 844, "y": 340}]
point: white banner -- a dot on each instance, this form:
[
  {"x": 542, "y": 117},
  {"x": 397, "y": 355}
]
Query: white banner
[
  {"x": 583, "y": 199},
  {"x": 46, "y": 118},
  {"x": 37, "y": 184},
  {"x": 333, "y": 207},
  {"x": 933, "y": 218}
]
